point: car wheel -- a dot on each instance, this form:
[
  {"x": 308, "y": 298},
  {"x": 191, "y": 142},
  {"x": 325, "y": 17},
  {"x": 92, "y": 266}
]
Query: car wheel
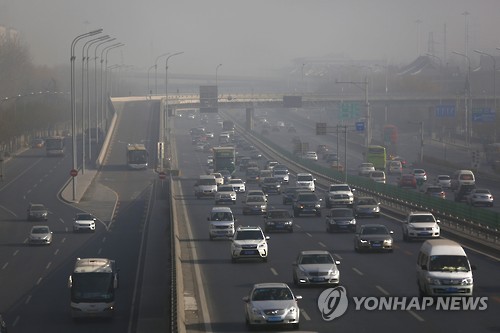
[
  {"x": 318, "y": 213},
  {"x": 264, "y": 259},
  {"x": 296, "y": 326},
  {"x": 405, "y": 237},
  {"x": 329, "y": 229}
]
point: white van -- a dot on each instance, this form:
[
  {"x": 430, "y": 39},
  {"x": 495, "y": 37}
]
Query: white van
[
  {"x": 206, "y": 186},
  {"x": 462, "y": 177},
  {"x": 306, "y": 180},
  {"x": 443, "y": 269},
  {"x": 394, "y": 167},
  {"x": 221, "y": 223}
]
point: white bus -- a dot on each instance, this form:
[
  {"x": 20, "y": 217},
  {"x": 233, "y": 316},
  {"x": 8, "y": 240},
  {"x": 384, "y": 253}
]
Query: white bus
[
  {"x": 137, "y": 156},
  {"x": 92, "y": 287}
]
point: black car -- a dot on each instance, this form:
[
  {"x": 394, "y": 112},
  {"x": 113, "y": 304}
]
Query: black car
[
  {"x": 341, "y": 219},
  {"x": 463, "y": 191},
  {"x": 37, "y": 212},
  {"x": 271, "y": 185},
  {"x": 278, "y": 220},
  {"x": 3, "y": 326},
  {"x": 306, "y": 203},
  {"x": 288, "y": 193}
]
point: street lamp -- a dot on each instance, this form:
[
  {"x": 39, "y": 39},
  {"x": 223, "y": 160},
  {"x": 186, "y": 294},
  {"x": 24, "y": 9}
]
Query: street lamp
[
  {"x": 467, "y": 97},
  {"x": 216, "y": 69},
  {"x": 73, "y": 101},
  {"x": 494, "y": 86},
  {"x": 97, "y": 104},
  {"x": 149, "y": 90},
  {"x": 104, "y": 59},
  {"x": 163, "y": 120},
  {"x": 156, "y": 71},
  {"x": 96, "y": 40}
]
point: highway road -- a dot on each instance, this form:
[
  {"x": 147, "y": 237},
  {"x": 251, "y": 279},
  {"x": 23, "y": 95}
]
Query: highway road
[
  {"x": 224, "y": 283},
  {"x": 34, "y": 296}
]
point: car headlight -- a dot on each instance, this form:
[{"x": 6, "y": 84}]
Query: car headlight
[
  {"x": 257, "y": 311},
  {"x": 262, "y": 245},
  {"x": 353, "y": 221},
  {"x": 434, "y": 281},
  {"x": 388, "y": 241},
  {"x": 317, "y": 205},
  {"x": 467, "y": 282},
  {"x": 410, "y": 226},
  {"x": 293, "y": 309},
  {"x": 362, "y": 241}
]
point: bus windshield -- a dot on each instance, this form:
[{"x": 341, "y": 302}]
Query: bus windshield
[{"x": 92, "y": 287}]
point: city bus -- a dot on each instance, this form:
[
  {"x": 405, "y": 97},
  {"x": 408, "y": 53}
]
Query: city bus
[
  {"x": 137, "y": 156},
  {"x": 92, "y": 285},
  {"x": 376, "y": 155},
  {"x": 224, "y": 159},
  {"x": 54, "y": 146}
]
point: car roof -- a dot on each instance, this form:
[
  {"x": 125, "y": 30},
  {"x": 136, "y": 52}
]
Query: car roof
[
  {"x": 370, "y": 225},
  {"x": 308, "y": 252},
  {"x": 248, "y": 227},
  {"x": 221, "y": 209},
  {"x": 270, "y": 285}
]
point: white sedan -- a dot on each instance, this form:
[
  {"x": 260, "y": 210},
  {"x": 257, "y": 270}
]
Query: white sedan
[{"x": 238, "y": 185}]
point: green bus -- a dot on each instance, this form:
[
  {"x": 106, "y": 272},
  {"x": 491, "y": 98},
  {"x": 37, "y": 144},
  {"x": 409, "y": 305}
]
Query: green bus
[{"x": 376, "y": 155}]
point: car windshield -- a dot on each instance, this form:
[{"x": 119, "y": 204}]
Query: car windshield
[
  {"x": 272, "y": 294},
  {"x": 210, "y": 181},
  {"x": 304, "y": 178},
  {"x": 342, "y": 213},
  {"x": 444, "y": 178},
  {"x": 236, "y": 181},
  {"x": 449, "y": 263},
  {"x": 482, "y": 191},
  {"x": 422, "y": 218},
  {"x": 270, "y": 180},
  {"x": 222, "y": 216},
  {"x": 255, "y": 199},
  {"x": 278, "y": 214},
  {"x": 225, "y": 189},
  {"x": 280, "y": 172},
  {"x": 40, "y": 230},
  {"x": 308, "y": 197},
  {"x": 367, "y": 201},
  {"x": 311, "y": 259},
  {"x": 37, "y": 207},
  {"x": 84, "y": 217},
  {"x": 374, "y": 230},
  {"x": 339, "y": 188},
  {"x": 249, "y": 234}
]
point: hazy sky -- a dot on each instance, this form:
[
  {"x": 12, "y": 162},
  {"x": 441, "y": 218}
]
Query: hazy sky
[{"x": 252, "y": 36}]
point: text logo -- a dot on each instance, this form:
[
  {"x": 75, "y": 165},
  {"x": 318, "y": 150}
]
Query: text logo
[{"x": 332, "y": 303}]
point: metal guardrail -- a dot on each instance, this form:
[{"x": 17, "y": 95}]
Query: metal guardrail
[{"x": 392, "y": 198}]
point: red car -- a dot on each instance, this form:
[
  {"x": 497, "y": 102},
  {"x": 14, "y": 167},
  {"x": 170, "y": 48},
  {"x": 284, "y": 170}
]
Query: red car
[{"x": 407, "y": 180}]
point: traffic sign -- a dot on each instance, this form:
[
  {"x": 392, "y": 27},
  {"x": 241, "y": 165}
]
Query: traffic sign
[
  {"x": 360, "y": 126},
  {"x": 162, "y": 175},
  {"x": 73, "y": 172},
  {"x": 445, "y": 111},
  {"x": 483, "y": 115},
  {"x": 349, "y": 110}
]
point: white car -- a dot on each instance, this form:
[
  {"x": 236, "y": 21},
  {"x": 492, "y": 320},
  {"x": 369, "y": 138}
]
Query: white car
[
  {"x": 270, "y": 304},
  {"x": 306, "y": 180},
  {"x": 84, "y": 222},
  {"x": 238, "y": 185},
  {"x": 249, "y": 242},
  {"x": 315, "y": 267},
  {"x": 364, "y": 169},
  {"x": 311, "y": 155},
  {"x": 480, "y": 196},
  {"x": 443, "y": 180},
  {"x": 40, "y": 234},
  {"x": 420, "y": 174},
  {"x": 221, "y": 223},
  {"x": 420, "y": 225},
  {"x": 218, "y": 178},
  {"x": 225, "y": 194},
  {"x": 339, "y": 195},
  {"x": 378, "y": 176}
]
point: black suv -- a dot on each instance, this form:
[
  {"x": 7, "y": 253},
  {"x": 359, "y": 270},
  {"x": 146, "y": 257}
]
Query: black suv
[
  {"x": 37, "y": 212},
  {"x": 306, "y": 203},
  {"x": 463, "y": 191},
  {"x": 278, "y": 220},
  {"x": 271, "y": 185}
]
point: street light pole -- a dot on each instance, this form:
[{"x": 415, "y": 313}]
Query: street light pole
[
  {"x": 73, "y": 101},
  {"x": 149, "y": 90},
  {"x": 494, "y": 88},
  {"x": 163, "y": 120},
  {"x": 216, "y": 81},
  {"x": 104, "y": 59},
  {"x": 156, "y": 71},
  {"x": 467, "y": 97},
  {"x": 95, "y": 88}
]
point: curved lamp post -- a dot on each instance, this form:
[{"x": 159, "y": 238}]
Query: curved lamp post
[
  {"x": 156, "y": 70},
  {"x": 73, "y": 102},
  {"x": 163, "y": 120},
  {"x": 95, "y": 88},
  {"x": 104, "y": 59},
  {"x": 467, "y": 97}
]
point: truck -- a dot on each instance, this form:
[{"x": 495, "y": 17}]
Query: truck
[
  {"x": 228, "y": 125},
  {"x": 224, "y": 159},
  {"x": 54, "y": 146},
  {"x": 92, "y": 285}
]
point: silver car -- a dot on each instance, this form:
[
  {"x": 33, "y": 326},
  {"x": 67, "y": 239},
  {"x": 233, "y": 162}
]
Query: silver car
[
  {"x": 315, "y": 267},
  {"x": 373, "y": 237},
  {"x": 41, "y": 235},
  {"x": 84, "y": 221},
  {"x": 480, "y": 196},
  {"x": 271, "y": 304}
]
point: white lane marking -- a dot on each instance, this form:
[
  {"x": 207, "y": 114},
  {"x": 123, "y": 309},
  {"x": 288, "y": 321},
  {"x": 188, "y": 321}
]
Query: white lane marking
[
  {"x": 28, "y": 299},
  {"x": 39, "y": 281},
  {"x": 357, "y": 271},
  {"x": 14, "y": 323},
  {"x": 104, "y": 239},
  {"x": 416, "y": 315},
  {"x": 304, "y": 314},
  {"x": 99, "y": 251},
  {"x": 61, "y": 220},
  {"x": 8, "y": 210},
  {"x": 382, "y": 290},
  {"x": 48, "y": 265},
  {"x": 15, "y": 253},
  {"x": 56, "y": 252},
  {"x": 321, "y": 244},
  {"x": 308, "y": 234},
  {"x": 5, "y": 265},
  {"x": 337, "y": 256},
  {"x": 63, "y": 240},
  {"x": 274, "y": 271}
]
